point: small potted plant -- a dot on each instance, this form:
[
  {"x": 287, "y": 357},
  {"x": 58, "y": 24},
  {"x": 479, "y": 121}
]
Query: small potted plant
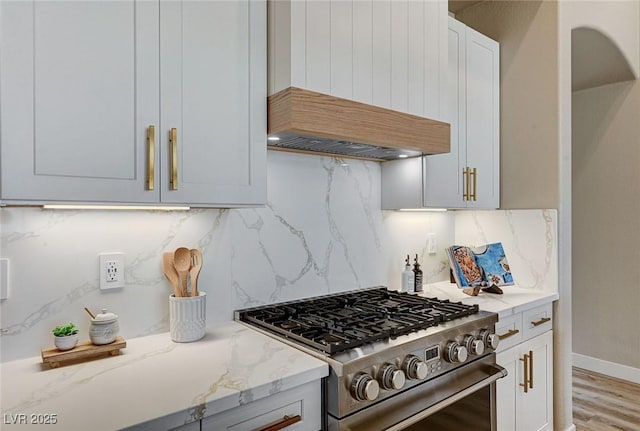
[{"x": 65, "y": 336}]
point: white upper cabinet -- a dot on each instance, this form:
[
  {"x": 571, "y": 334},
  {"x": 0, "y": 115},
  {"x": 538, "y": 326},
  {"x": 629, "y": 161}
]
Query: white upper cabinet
[
  {"x": 213, "y": 92},
  {"x": 77, "y": 98},
  {"x": 388, "y": 53},
  {"x": 84, "y": 82},
  {"x": 469, "y": 175}
]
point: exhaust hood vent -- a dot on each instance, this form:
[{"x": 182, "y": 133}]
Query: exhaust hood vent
[
  {"x": 306, "y": 121},
  {"x": 309, "y": 144}
]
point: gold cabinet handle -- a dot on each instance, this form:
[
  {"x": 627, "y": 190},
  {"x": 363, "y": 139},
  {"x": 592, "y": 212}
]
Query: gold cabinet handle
[
  {"x": 509, "y": 333},
  {"x": 151, "y": 157},
  {"x": 525, "y": 385},
  {"x": 541, "y": 321},
  {"x": 465, "y": 180},
  {"x": 530, "y": 369},
  {"x": 285, "y": 422},
  {"x": 173, "y": 143},
  {"x": 474, "y": 174}
]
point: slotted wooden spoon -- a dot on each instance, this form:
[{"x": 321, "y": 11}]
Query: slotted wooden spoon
[{"x": 196, "y": 266}]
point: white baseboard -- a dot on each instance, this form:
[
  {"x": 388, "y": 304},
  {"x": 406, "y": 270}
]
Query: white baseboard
[
  {"x": 607, "y": 368},
  {"x": 571, "y": 428}
]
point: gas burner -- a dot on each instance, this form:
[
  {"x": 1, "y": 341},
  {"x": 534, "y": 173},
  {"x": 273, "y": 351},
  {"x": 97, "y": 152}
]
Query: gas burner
[{"x": 338, "y": 322}]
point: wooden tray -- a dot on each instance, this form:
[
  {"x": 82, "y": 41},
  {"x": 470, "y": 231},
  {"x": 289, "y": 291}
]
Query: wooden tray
[{"x": 83, "y": 351}]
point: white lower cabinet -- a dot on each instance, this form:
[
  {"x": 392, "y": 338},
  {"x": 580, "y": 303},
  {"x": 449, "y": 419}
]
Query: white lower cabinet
[
  {"x": 525, "y": 395},
  {"x": 300, "y": 407}
]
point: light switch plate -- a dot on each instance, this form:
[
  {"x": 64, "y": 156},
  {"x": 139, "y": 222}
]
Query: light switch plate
[
  {"x": 432, "y": 245},
  {"x": 4, "y": 278}
]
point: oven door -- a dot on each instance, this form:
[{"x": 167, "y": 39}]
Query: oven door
[{"x": 461, "y": 399}]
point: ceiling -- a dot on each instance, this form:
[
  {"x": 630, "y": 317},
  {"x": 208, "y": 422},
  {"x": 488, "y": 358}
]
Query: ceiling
[{"x": 596, "y": 60}]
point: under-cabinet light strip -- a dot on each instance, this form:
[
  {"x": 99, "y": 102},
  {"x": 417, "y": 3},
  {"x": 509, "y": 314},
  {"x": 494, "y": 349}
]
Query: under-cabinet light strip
[
  {"x": 423, "y": 209},
  {"x": 115, "y": 207}
]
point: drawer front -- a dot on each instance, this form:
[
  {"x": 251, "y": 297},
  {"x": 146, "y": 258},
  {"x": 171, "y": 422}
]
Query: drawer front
[
  {"x": 509, "y": 329},
  {"x": 302, "y": 401},
  {"x": 537, "y": 321}
]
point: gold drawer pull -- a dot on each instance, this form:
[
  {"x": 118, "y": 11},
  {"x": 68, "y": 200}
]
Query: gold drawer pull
[
  {"x": 285, "y": 422},
  {"x": 510, "y": 333},
  {"x": 527, "y": 382},
  {"x": 173, "y": 142},
  {"x": 530, "y": 369},
  {"x": 151, "y": 157},
  {"x": 541, "y": 321}
]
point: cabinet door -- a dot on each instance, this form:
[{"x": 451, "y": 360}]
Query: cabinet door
[
  {"x": 482, "y": 118},
  {"x": 444, "y": 181},
  {"x": 213, "y": 92},
  {"x": 531, "y": 410},
  {"x": 79, "y": 87},
  {"x": 507, "y": 389},
  {"x": 473, "y": 111},
  {"x": 534, "y": 408}
]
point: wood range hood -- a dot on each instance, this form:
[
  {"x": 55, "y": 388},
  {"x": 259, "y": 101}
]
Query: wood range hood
[{"x": 305, "y": 121}]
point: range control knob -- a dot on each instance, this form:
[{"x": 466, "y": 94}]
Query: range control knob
[
  {"x": 475, "y": 346},
  {"x": 414, "y": 368},
  {"x": 364, "y": 387},
  {"x": 391, "y": 377},
  {"x": 490, "y": 339},
  {"x": 455, "y": 352}
]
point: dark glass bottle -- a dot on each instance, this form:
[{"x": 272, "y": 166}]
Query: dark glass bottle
[{"x": 417, "y": 284}]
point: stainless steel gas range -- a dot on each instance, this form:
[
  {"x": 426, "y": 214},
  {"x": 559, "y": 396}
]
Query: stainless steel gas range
[{"x": 397, "y": 361}]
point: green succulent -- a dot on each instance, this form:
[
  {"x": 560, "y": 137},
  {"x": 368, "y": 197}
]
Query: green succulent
[{"x": 65, "y": 330}]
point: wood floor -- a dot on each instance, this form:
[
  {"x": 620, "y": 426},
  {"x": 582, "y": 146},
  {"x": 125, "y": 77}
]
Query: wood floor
[{"x": 602, "y": 403}]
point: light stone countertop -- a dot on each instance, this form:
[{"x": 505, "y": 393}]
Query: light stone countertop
[
  {"x": 155, "y": 379},
  {"x": 513, "y": 300}
]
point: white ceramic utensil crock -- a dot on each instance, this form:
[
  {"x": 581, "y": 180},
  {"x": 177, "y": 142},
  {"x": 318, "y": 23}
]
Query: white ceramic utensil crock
[{"x": 187, "y": 317}]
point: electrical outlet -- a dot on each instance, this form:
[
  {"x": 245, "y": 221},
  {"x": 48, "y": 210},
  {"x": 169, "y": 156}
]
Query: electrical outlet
[{"x": 111, "y": 270}]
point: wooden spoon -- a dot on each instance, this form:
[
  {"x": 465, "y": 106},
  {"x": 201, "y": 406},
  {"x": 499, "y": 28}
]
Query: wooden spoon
[
  {"x": 182, "y": 263},
  {"x": 171, "y": 273},
  {"x": 196, "y": 266}
]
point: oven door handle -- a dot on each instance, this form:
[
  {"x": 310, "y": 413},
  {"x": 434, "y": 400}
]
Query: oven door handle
[{"x": 500, "y": 373}]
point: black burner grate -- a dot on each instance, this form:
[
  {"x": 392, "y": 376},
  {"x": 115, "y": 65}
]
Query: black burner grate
[{"x": 338, "y": 322}]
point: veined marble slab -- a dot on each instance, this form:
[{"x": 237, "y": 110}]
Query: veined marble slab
[
  {"x": 157, "y": 378},
  {"x": 529, "y": 238},
  {"x": 322, "y": 231}
]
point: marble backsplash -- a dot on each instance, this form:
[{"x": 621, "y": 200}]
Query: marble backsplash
[
  {"x": 529, "y": 238},
  {"x": 322, "y": 231}
]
